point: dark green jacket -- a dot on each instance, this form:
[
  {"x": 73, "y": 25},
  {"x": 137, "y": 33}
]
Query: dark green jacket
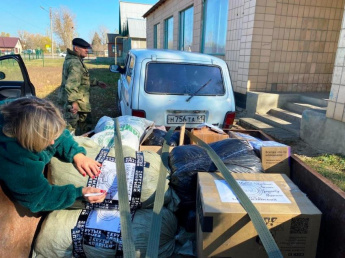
[
  {"x": 75, "y": 85},
  {"x": 22, "y": 172}
]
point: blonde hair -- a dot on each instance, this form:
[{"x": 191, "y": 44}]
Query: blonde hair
[{"x": 34, "y": 122}]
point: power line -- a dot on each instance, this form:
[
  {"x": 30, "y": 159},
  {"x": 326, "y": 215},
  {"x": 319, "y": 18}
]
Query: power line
[{"x": 25, "y": 21}]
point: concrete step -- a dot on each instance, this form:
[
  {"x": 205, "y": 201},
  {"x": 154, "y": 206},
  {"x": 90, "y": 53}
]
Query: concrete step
[
  {"x": 279, "y": 123},
  {"x": 278, "y": 134},
  {"x": 286, "y": 115},
  {"x": 320, "y": 102},
  {"x": 300, "y": 107}
]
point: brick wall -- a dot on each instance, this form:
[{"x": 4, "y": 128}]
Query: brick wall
[
  {"x": 272, "y": 45},
  {"x": 294, "y": 45},
  {"x": 173, "y": 8},
  {"x": 336, "y": 102}
]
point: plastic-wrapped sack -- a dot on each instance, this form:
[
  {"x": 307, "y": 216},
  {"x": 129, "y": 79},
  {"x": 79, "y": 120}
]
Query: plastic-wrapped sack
[
  {"x": 258, "y": 144},
  {"x": 55, "y": 240},
  {"x": 243, "y": 136},
  {"x": 62, "y": 173},
  {"x": 132, "y": 129},
  {"x": 190, "y": 158},
  {"x": 186, "y": 217},
  {"x": 175, "y": 139},
  {"x": 156, "y": 138},
  {"x": 185, "y": 243},
  {"x": 186, "y": 161},
  {"x": 238, "y": 156}
]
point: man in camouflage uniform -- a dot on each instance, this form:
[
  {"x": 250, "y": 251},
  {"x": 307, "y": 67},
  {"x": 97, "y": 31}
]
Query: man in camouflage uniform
[{"x": 75, "y": 88}]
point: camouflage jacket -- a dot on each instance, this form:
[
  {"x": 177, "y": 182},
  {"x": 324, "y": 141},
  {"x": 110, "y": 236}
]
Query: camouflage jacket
[{"x": 75, "y": 85}]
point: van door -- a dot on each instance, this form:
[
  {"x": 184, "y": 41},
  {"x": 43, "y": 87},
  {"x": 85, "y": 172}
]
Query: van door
[{"x": 126, "y": 87}]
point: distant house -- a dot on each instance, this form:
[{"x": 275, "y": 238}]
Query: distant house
[
  {"x": 10, "y": 45},
  {"x": 111, "y": 45},
  {"x": 136, "y": 31},
  {"x": 132, "y": 25}
]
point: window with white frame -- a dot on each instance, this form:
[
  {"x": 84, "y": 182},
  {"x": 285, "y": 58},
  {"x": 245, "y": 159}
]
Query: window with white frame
[
  {"x": 186, "y": 29},
  {"x": 214, "y": 26},
  {"x": 169, "y": 33}
]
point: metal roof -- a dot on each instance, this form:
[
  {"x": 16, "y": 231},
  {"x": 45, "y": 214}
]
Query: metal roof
[
  {"x": 136, "y": 28},
  {"x": 131, "y": 10},
  {"x": 9, "y": 42}
]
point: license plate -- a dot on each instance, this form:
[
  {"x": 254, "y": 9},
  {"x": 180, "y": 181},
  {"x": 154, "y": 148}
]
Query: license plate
[{"x": 188, "y": 119}]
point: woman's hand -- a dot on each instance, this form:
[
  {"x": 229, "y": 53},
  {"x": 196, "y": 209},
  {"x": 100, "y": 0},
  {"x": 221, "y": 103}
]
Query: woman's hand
[
  {"x": 89, "y": 194},
  {"x": 86, "y": 165}
]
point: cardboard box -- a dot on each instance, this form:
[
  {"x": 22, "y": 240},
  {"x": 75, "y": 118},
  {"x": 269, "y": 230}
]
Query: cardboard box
[
  {"x": 208, "y": 136},
  {"x": 276, "y": 159},
  {"x": 275, "y": 156},
  {"x": 157, "y": 149},
  {"x": 224, "y": 228}
]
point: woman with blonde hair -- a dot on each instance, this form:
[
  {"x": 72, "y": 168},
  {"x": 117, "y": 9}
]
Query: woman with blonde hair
[{"x": 32, "y": 131}]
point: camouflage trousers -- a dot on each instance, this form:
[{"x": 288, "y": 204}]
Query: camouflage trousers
[{"x": 78, "y": 123}]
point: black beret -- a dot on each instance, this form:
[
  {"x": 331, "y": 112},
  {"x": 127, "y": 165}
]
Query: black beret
[{"x": 80, "y": 43}]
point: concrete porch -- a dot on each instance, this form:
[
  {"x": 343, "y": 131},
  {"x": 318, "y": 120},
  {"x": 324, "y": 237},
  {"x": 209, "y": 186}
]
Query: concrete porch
[{"x": 290, "y": 117}]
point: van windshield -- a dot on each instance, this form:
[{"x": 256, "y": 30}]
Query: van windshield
[{"x": 184, "y": 79}]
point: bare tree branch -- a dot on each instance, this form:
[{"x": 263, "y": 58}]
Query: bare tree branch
[
  {"x": 64, "y": 26},
  {"x": 103, "y": 31},
  {"x": 34, "y": 41}
]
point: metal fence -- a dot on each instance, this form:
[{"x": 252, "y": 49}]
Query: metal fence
[{"x": 27, "y": 55}]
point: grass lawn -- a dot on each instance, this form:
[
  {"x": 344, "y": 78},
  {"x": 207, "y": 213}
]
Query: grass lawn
[
  {"x": 46, "y": 76},
  {"x": 330, "y": 166}
]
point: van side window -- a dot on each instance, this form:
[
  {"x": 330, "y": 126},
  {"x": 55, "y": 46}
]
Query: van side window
[{"x": 129, "y": 70}]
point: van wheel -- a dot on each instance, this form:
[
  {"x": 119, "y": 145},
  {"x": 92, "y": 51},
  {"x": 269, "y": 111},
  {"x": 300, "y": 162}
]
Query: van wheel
[{"x": 119, "y": 112}]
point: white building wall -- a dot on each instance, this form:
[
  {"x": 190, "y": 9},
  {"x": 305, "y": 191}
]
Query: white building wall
[
  {"x": 273, "y": 45},
  {"x": 239, "y": 42},
  {"x": 336, "y": 104}
]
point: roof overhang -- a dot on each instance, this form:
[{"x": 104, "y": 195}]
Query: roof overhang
[{"x": 154, "y": 8}]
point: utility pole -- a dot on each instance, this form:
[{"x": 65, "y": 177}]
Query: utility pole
[
  {"x": 51, "y": 28},
  {"x": 116, "y": 47}
]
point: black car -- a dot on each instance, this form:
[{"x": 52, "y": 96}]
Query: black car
[{"x": 14, "y": 78}]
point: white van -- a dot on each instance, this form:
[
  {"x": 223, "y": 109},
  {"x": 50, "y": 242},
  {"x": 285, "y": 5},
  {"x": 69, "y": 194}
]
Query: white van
[{"x": 175, "y": 87}]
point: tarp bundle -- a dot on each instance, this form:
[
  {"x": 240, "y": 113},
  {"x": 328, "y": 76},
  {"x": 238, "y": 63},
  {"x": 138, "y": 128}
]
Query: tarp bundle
[
  {"x": 156, "y": 138},
  {"x": 62, "y": 173},
  {"x": 132, "y": 130},
  {"x": 54, "y": 239},
  {"x": 187, "y": 160}
]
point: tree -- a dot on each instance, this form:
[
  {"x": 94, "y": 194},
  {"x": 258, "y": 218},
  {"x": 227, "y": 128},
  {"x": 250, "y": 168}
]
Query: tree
[
  {"x": 4, "y": 34},
  {"x": 97, "y": 44},
  {"x": 34, "y": 41},
  {"x": 103, "y": 33},
  {"x": 64, "y": 26}
]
